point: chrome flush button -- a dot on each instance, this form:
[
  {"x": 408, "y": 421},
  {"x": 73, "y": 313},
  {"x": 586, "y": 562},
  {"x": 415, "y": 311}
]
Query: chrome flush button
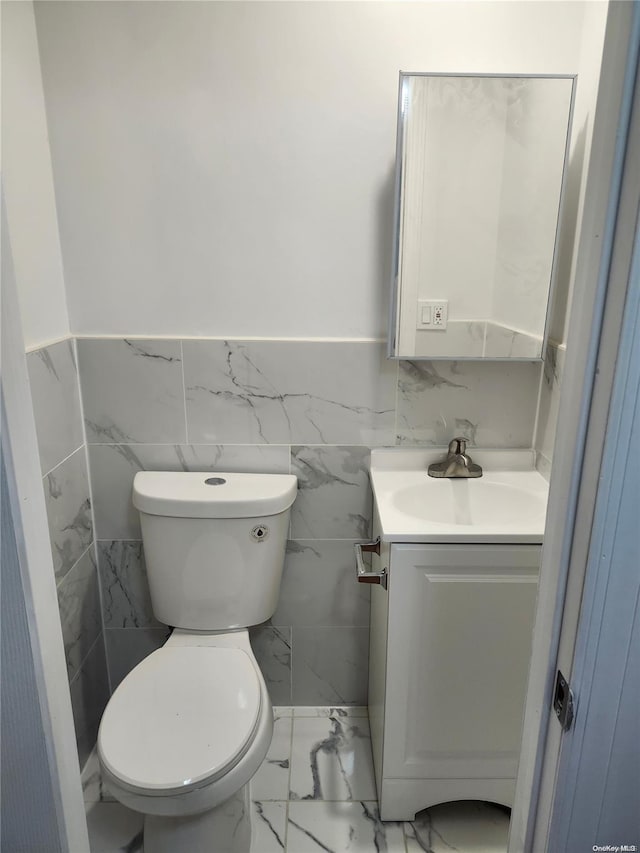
[{"x": 215, "y": 481}]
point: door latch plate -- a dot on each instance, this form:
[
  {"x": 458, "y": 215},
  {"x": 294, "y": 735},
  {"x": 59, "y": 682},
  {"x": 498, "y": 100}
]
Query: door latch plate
[{"x": 563, "y": 703}]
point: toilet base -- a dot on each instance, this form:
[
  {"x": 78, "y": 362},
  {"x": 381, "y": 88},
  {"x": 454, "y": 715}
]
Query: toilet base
[{"x": 223, "y": 829}]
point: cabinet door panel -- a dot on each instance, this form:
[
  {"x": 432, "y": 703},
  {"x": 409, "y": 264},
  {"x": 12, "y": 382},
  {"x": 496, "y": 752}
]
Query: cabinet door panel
[{"x": 460, "y": 622}]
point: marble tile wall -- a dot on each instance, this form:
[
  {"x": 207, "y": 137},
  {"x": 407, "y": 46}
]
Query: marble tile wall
[
  {"x": 55, "y": 391},
  {"x": 550, "y": 388},
  {"x": 312, "y": 408}
]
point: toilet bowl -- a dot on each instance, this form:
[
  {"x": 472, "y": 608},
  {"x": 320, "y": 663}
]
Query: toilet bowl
[
  {"x": 186, "y": 730},
  {"x": 188, "y": 727}
]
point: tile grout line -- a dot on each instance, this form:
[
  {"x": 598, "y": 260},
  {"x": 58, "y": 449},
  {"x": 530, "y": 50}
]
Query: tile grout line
[
  {"x": 84, "y": 660},
  {"x": 184, "y": 394},
  {"x": 68, "y": 572},
  {"x": 66, "y": 458},
  {"x": 96, "y": 555}
]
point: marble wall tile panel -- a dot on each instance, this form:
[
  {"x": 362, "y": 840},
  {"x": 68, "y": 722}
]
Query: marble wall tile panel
[
  {"x": 89, "y": 696},
  {"x": 492, "y": 404},
  {"x": 287, "y": 392},
  {"x": 341, "y": 826},
  {"x": 53, "y": 376},
  {"x": 550, "y": 400},
  {"x": 126, "y": 601},
  {"x": 127, "y": 647},
  {"x": 68, "y": 502},
  {"x": 461, "y": 337},
  {"x": 543, "y": 465},
  {"x": 79, "y": 605},
  {"x": 502, "y": 342},
  {"x": 132, "y": 390},
  {"x": 334, "y": 494},
  {"x": 271, "y": 645},
  {"x": 319, "y": 586},
  {"x": 330, "y": 665},
  {"x": 113, "y": 467},
  {"x": 331, "y": 711}
]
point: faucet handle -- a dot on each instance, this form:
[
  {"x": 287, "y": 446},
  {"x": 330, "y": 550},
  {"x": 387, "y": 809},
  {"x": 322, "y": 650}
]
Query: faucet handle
[{"x": 457, "y": 446}]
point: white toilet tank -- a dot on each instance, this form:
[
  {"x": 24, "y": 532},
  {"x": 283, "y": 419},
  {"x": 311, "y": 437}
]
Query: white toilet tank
[{"x": 214, "y": 545}]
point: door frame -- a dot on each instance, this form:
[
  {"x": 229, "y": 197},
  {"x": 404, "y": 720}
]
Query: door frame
[
  {"x": 26, "y": 496},
  {"x": 595, "y": 328}
]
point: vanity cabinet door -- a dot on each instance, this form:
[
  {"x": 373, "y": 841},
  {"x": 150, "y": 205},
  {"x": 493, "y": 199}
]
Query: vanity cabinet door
[{"x": 459, "y": 642}]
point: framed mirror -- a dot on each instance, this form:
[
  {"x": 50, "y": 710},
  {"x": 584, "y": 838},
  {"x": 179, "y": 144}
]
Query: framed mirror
[{"x": 480, "y": 165}]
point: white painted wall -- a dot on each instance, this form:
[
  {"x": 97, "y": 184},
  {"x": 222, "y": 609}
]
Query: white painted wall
[
  {"x": 28, "y": 182},
  {"x": 227, "y": 168}
]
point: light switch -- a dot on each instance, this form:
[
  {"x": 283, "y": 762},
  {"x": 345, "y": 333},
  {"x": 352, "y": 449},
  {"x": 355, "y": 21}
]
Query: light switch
[{"x": 425, "y": 319}]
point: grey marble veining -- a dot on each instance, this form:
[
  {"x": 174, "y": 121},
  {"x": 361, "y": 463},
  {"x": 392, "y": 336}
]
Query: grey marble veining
[
  {"x": 113, "y": 467},
  {"x": 127, "y": 647},
  {"x": 271, "y": 782},
  {"x": 114, "y": 828},
  {"x": 53, "y": 377},
  {"x": 89, "y": 696},
  {"x": 334, "y": 496},
  {"x": 79, "y": 605},
  {"x": 269, "y": 827},
  {"x": 132, "y": 390},
  {"x": 472, "y": 827},
  {"x": 66, "y": 492},
  {"x": 331, "y": 759},
  {"x": 492, "y": 403},
  {"x": 126, "y": 601},
  {"x": 94, "y": 790},
  {"x": 330, "y": 665},
  {"x": 282, "y": 392},
  {"x": 340, "y": 827},
  {"x": 271, "y": 645},
  {"x": 550, "y": 399},
  {"x": 330, "y": 803},
  {"x": 319, "y": 586},
  {"x": 503, "y": 342}
]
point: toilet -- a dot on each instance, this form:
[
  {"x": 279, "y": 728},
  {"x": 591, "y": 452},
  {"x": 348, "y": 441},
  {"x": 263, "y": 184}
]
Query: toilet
[{"x": 186, "y": 730}]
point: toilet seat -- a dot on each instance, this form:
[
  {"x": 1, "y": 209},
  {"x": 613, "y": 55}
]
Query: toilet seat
[{"x": 180, "y": 719}]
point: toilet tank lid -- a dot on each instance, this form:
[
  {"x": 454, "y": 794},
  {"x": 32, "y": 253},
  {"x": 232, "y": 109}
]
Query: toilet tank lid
[{"x": 207, "y": 494}]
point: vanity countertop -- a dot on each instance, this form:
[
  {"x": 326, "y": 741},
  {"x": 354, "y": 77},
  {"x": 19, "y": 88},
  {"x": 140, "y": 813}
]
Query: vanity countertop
[{"x": 507, "y": 504}]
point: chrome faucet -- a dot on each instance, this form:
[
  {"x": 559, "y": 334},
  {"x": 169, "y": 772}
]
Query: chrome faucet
[{"x": 457, "y": 464}]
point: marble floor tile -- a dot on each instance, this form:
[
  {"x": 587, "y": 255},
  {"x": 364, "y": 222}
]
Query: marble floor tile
[
  {"x": 341, "y": 828},
  {"x": 268, "y": 827},
  {"x": 328, "y": 806},
  {"x": 331, "y": 759},
  {"x": 472, "y": 827},
  {"x": 271, "y": 782},
  {"x": 114, "y": 828}
]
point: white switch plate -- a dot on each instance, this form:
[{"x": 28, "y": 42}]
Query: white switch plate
[{"x": 432, "y": 314}]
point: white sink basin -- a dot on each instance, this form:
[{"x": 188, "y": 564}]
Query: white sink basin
[{"x": 507, "y": 504}]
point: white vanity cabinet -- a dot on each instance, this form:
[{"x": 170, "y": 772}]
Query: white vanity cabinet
[{"x": 449, "y": 659}]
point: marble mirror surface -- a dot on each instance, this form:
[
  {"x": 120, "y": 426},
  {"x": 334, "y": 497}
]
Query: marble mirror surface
[{"x": 479, "y": 175}]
